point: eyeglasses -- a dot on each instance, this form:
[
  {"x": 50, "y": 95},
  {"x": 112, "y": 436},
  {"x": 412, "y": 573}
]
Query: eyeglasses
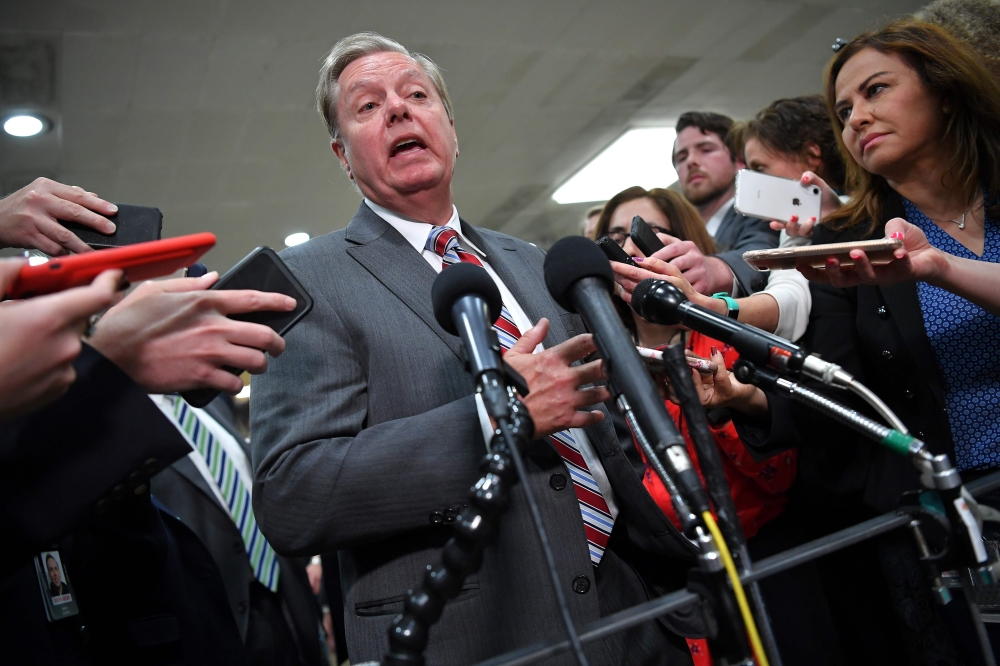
[{"x": 619, "y": 236}]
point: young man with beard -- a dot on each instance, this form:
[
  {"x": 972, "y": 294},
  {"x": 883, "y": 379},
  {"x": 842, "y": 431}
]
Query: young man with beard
[{"x": 706, "y": 166}]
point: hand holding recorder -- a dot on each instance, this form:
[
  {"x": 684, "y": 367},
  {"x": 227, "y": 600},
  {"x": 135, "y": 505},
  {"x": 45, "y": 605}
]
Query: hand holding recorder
[
  {"x": 29, "y": 218},
  {"x": 40, "y": 338}
]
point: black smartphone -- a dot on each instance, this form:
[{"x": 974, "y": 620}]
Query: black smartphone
[
  {"x": 614, "y": 252},
  {"x": 261, "y": 270},
  {"x": 133, "y": 224},
  {"x": 643, "y": 237}
]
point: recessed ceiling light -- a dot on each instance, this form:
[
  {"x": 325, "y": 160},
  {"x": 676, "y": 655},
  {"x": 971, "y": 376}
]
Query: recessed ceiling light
[
  {"x": 296, "y": 238},
  {"x": 639, "y": 157},
  {"x": 23, "y": 125}
]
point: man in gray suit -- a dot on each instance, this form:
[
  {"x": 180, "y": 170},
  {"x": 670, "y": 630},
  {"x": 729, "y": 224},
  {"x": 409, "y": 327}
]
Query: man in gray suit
[
  {"x": 367, "y": 435},
  {"x": 706, "y": 164}
]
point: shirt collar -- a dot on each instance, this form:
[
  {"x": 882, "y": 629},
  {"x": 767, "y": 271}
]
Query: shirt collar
[{"x": 416, "y": 232}]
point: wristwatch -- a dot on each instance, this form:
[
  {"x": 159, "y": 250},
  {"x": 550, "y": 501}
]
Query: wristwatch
[{"x": 731, "y": 303}]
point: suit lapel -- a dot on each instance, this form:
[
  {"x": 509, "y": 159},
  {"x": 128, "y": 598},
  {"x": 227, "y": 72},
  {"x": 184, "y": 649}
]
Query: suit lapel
[
  {"x": 186, "y": 468},
  {"x": 523, "y": 278},
  {"x": 383, "y": 252}
]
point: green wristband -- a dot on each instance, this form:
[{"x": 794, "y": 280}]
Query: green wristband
[{"x": 731, "y": 303}]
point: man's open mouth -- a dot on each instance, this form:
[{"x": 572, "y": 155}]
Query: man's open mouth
[{"x": 406, "y": 146}]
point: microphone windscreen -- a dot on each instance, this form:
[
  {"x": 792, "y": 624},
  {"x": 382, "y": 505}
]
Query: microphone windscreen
[
  {"x": 460, "y": 280},
  {"x": 639, "y": 294},
  {"x": 570, "y": 260}
]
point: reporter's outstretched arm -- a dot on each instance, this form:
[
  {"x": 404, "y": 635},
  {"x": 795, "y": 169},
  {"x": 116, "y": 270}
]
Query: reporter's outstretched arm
[
  {"x": 40, "y": 338},
  {"x": 29, "y": 218},
  {"x": 175, "y": 335},
  {"x": 918, "y": 260}
]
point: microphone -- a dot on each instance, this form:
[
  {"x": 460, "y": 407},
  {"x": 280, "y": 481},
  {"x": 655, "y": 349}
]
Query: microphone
[
  {"x": 579, "y": 278},
  {"x": 660, "y": 302},
  {"x": 466, "y": 302}
]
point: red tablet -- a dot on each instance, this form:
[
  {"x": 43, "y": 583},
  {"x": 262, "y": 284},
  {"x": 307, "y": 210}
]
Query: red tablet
[{"x": 141, "y": 261}]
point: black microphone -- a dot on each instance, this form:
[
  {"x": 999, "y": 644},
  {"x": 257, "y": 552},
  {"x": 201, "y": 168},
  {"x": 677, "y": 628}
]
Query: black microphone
[
  {"x": 579, "y": 278},
  {"x": 466, "y": 303},
  {"x": 660, "y": 302}
]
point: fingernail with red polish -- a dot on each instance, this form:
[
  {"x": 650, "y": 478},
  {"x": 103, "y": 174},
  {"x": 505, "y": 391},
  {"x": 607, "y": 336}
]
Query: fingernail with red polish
[
  {"x": 793, "y": 218},
  {"x": 896, "y": 234},
  {"x": 714, "y": 351},
  {"x": 831, "y": 261}
]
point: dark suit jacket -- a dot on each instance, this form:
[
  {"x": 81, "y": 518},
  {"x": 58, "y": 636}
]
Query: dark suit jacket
[
  {"x": 877, "y": 334},
  {"x": 184, "y": 491},
  {"x": 366, "y": 427},
  {"x": 96, "y": 444},
  {"x": 147, "y": 590},
  {"x": 738, "y": 234}
]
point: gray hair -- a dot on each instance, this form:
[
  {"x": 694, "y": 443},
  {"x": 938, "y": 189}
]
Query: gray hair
[{"x": 359, "y": 45}]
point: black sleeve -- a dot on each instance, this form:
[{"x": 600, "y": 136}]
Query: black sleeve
[{"x": 100, "y": 441}]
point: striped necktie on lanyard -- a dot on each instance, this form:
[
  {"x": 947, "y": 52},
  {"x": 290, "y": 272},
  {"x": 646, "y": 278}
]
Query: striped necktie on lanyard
[
  {"x": 597, "y": 519},
  {"x": 234, "y": 489}
]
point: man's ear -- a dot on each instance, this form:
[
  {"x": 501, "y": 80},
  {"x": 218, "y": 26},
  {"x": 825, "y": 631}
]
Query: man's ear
[
  {"x": 341, "y": 152},
  {"x": 739, "y": 162}
]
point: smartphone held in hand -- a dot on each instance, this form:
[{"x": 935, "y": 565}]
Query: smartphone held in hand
[
  {"x": 773, "y": 198},
  {"x": 879, "y": 252},
  {"x": 133, "y": 224},
  {"x": 644, "y": 238}
]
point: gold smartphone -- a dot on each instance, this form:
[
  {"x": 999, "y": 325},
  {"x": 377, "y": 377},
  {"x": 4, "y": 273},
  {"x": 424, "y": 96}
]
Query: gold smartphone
[{"x": 879, "y": 252}]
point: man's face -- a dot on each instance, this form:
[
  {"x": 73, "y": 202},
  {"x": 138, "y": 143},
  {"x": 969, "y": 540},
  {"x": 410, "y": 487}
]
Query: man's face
[
  {"x": 53, "y": 567},
  {"x": 703, "y": 164},
  {"x": 396, "y": 138}
]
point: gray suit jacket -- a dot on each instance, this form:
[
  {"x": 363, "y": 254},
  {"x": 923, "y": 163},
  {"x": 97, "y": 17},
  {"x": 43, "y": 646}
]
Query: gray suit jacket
[
  {"x": 365, "y": 431},
  {"x": 737, "y": 234}
]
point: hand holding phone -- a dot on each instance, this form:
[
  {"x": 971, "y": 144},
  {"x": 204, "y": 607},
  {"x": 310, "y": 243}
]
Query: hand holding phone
[
  {"x": 40, "y": 339},
  {"x": 142, "y": 261},
  {"x": 29, "y": 217},
  {"x": 261, "y": 270},
  {"x": 614, "y": 252},
  {"x": 644, "y": 238},
  {"x": 132, "y": 224},
  {"x": 878, "y": 252},
  {"x": 773, "y": 198},
  {"x": 177, "y": 335}
]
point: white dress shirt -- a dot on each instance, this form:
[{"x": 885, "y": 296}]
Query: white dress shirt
[
  {"x": 222, "y": 438},
  {"x": 416, "y": 234}
]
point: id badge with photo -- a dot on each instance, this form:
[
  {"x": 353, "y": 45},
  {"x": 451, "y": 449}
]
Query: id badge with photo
[{"x": 57, "y": 592}]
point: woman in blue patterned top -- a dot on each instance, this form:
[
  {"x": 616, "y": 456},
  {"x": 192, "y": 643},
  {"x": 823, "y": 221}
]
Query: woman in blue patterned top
[{"x": 918, "y": 122}]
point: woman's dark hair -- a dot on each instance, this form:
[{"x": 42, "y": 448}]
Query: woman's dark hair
[
  {"x": 685, "y": 223},
  {"x": 950, "y": 70},
  {"x": 790, "y": 126}
]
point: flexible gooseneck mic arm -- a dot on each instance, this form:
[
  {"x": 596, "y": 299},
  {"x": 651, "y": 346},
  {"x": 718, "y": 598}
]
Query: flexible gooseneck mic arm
[{"x": 660, "y": 302}]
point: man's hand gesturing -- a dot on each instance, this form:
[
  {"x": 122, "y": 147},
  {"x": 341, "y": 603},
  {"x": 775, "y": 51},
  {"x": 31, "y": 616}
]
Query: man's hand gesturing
[{"x": 556, "y": 400}]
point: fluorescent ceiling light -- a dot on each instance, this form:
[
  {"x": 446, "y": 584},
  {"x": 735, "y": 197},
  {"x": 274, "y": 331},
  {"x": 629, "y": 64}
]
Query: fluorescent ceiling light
[
  {"x": 296, "y": 238},
  {"x": 36, "y": 260},
  {"x": 244, "y": 393},
  {"x": 639, "y": 157},
  {"x": 23, "y": 125}
]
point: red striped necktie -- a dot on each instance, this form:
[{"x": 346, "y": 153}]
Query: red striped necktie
[{"x": 597, "y": 519}]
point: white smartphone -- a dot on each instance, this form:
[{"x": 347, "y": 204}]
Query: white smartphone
[{"x": 774, "y": 198}]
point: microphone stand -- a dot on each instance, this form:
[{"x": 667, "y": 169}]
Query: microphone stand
[
  {"x": 712, "y": 470},
  {"x": 937, "y": 475},
  {"x": 725, "y": 630},
  {"x": 477, "y": 523}
]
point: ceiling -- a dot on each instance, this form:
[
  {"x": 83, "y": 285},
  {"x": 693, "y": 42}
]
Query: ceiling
[{"x": 204, "y": 108}]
